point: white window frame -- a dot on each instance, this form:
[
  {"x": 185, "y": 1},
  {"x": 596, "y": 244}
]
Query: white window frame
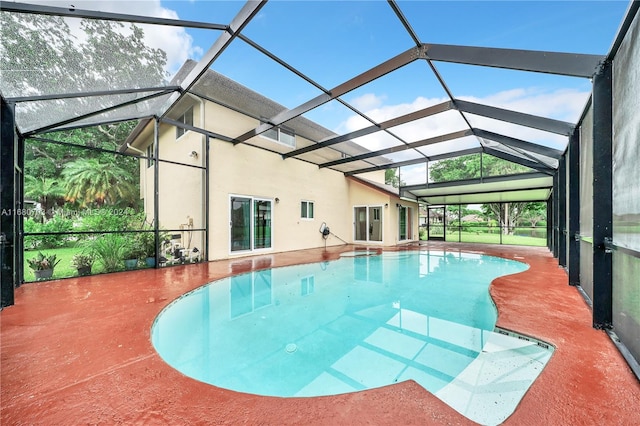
[
  {"x": 313, "y": 208},
  {"x": 279, "y": 131},
  {"x": 253, "y": 249},
  {"x": 180, "y": 131},
  {"x": 150, "y": 153},
  {"x": 370, "y": 219},
  {"x": 408, "y": 222}
]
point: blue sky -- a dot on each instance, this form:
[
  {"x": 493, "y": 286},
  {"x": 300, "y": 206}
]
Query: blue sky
[
  {"x": 333, "y": 41},
  {"x": 311, "y": 34}
]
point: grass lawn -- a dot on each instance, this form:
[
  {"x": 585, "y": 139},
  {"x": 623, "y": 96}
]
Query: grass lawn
[{"x": 486, "y": 238}]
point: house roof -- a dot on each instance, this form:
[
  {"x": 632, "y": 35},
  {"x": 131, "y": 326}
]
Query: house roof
[
  {"x": 215, "y": 87},
  {"x": 381, "y": 187}
]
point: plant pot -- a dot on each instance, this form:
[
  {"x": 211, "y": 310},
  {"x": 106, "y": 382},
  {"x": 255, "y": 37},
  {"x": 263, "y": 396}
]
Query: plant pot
[
  {"x": 84, "y": 270},
  {"x": 150, "y": 261},
  {"x": 130, "y": 263},
  {"x": 43, "y": 274}
]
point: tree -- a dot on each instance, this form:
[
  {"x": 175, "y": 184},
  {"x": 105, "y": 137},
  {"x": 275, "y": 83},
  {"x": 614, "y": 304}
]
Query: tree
[
  {"x": 45, "y": 190},
  {"x": 468, "y": 167},
  {"x": 88, "y": 181},
  {"x": 457, "y": 168},
  {"x": 42, "y": 55},
  {"x": 536, "y": 213},
  {"x": 511, "y": 214},
  {"x": 391, "y": 177}
]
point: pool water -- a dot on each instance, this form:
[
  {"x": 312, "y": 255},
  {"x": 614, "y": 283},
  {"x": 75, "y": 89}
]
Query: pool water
[{"x": 356, "y": 323}]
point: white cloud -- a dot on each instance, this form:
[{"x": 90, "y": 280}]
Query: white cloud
[
  {"x": 562, "y": 104},
  {"x": 368, "y": 102}
]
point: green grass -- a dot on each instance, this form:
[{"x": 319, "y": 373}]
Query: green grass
[{"x": 486, "y": 238}]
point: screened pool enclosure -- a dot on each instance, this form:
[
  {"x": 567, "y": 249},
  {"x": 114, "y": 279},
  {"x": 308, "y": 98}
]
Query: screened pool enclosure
[{"x": 81, "y": 84}]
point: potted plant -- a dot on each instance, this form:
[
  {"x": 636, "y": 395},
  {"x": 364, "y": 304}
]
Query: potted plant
[
  {"x": 83, "y": 263},
  {"x": 147, "y": 245},
  {"x": 131, "y": 255},
  {"x": 43, "y": 265}
]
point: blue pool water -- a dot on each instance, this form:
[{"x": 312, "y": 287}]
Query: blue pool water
[{"x": 334, "y": 327}]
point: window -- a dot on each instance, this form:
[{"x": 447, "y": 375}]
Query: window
[
  {"x": 306, "y": 209},
  {"x": 186, "y": 118},
  {"x": 150, "y": 154},
  {"x": 283, "y": 136},
  {"x": 307, "y": 285}
]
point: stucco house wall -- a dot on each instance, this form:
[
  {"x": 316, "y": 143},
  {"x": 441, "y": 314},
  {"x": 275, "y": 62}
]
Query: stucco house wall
[{"x": 243, "y": 170}]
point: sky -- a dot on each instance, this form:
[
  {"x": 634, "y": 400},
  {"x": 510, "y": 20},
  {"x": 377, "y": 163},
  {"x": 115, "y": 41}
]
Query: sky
[{"x": 333, "y": 41}]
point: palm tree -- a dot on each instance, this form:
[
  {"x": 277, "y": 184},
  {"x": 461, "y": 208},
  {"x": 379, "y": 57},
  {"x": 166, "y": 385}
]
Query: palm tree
[
  {"x": 90, "y": 181},
  {"x": 44, "y": 190}
]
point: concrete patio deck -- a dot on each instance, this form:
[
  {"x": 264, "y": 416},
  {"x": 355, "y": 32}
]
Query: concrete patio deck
[{"x": 78, "y": 351}]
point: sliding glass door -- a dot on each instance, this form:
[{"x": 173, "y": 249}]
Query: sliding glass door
[
  {"x": 250, "y": 224},
  {"x": 405, "y": 223},
  {"x": 262, "y": 224},
  {"x": 368, "y": 223}
]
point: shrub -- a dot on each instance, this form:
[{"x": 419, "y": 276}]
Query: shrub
[
  {"x": 422, "y": 232},
  {"x": 109, "y": 249},
  {"x": 111, "y": 219},
  {"x": 55, "y": 224}
]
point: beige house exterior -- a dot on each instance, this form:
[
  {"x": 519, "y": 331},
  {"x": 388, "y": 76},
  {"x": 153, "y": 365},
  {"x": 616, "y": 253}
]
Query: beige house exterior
[{"x": 259, "y": 202}]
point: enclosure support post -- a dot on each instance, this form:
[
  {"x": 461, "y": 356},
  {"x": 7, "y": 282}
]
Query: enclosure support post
[
  {"x": 550, "y": 223},
  {"x": 19, "y": 220},
  {"x": 555, "y": 195},
  {"x": 156, "y": 189},
  {"x": 562, "y": 211},
  {"x": 500, "y": 216},
  {"x": 206, "y": 198},
  {"x": 459, "y": 224},
  {"x": 574, "y": 208},
  {"x": 8, "y": 215},
  {"x": 602, "y": 197}
]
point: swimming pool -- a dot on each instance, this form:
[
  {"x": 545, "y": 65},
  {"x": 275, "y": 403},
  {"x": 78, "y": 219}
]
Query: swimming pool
[{"x": 360, "y": 322}]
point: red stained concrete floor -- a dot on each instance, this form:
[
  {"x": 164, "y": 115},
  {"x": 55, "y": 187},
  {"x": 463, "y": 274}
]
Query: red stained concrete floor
[{"x": 78, "y": 351}]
